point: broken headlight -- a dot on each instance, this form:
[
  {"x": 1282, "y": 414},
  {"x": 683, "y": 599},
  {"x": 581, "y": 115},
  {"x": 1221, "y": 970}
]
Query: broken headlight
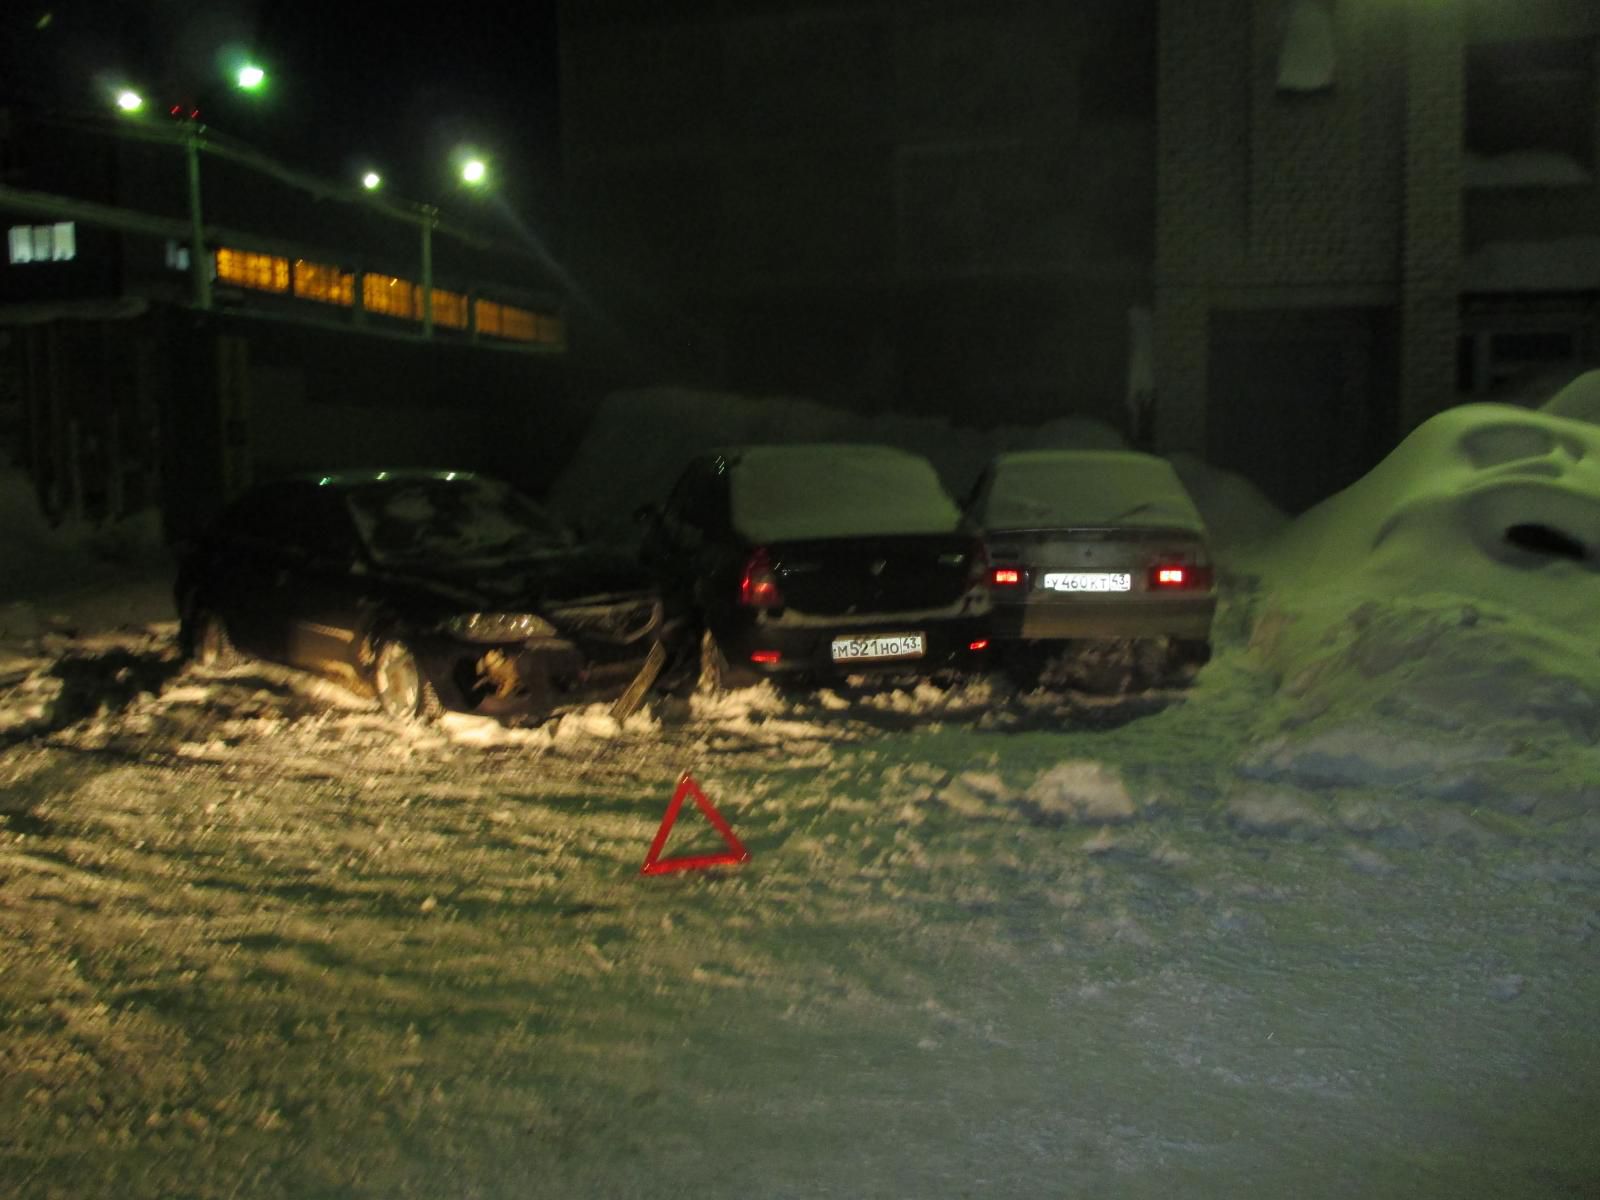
[{"x": 499, "y": 627}]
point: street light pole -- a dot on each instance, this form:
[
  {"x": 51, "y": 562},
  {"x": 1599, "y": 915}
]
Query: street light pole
[
  {"x": 199, "y": 264},
  {"x": 430, "y": 215}
]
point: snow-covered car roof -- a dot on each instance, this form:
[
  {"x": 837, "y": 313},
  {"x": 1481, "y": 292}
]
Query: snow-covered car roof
[
  {"x": 1032, "y": 489},
  {"x": 835, "y": 489}
]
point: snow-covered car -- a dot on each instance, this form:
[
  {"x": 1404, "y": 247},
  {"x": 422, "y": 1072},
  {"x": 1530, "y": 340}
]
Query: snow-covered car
[
  {"x": 1095, "y": 545},
  {"x": 815, "y": 562},
  {"x": 431, "y": 590}
]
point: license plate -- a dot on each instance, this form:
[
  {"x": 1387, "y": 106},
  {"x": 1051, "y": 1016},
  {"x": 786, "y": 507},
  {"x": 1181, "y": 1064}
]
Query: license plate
[
  {"x": 1089, "y": 581},
  {"x": 881, "y": 645}
]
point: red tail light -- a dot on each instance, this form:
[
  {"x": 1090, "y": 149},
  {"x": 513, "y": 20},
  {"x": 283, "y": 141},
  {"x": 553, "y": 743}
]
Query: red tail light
[
  {"x": 1006, "y": 577},
  {"x": 758, "y": 584},
  {"x": 1179, "y": 577},
  {"x": 766, "y": 657},
  {"x": 978, "y": 644}
]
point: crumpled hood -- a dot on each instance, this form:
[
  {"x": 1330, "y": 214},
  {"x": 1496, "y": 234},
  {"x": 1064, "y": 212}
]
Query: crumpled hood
[{"x": 531, "y": 584}]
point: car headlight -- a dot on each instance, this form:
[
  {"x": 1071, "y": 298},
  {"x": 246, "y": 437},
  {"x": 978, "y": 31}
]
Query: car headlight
[{"x": 499, "y": 627}]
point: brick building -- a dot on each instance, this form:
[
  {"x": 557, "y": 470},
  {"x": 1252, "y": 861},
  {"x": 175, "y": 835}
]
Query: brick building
[
  {"x": 1344, "y": 214},
  {"x": 1342, "y": 253}
]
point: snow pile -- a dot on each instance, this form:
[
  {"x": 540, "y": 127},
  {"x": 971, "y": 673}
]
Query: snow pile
[
  {"x": 37, "y": 558},
  {"x": 640, "y": 440},
  {"x": 1235, "y": 511},
  {"x": 1431, "y": 627},
  {"x": 1484, "y": 501},
  {"x": 1083, "y": 791},
  {"x": 1579, "y": 399}
]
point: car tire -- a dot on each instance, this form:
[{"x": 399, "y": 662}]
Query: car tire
[
  {"x": 210, "y": 645},
  {"x": 717, "y": 674},
  {"x": 403, "y": 691}
]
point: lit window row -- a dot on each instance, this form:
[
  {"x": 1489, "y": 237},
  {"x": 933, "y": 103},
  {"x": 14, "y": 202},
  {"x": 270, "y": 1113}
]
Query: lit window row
[
  {"x": 264, "y": 272},
  {"x": 42, "y": 243},
  {"x": 388, "y": 295}
]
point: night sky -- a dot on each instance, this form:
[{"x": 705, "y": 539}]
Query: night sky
[{"x": 352, "y": 84}]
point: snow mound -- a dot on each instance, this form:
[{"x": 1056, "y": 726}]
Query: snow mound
[
  {"x": 37, "y": 557},
  {"x": 1376, "y": 757},
  {"x": 1578, "y": 400},
  {"x": 1273, "y": 812},
  {"x": 1083, "y": 791},
  {"x": 1484, "y": 501},
  {"x": 1235, "y": 511},
  {"x": 640, "y": 440}
]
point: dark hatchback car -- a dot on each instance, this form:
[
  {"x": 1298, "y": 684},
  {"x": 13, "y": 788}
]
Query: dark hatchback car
[
  {"x": 815, "y": 562},
  {"x": 1095, "y": 546},
  {"x": 431, "y": 590}
]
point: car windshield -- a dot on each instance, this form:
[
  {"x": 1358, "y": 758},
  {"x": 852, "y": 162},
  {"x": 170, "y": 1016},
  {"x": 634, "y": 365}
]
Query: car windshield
[
  {"x": 416, "y": 521},
  {"x": 1045, "y": 488}
]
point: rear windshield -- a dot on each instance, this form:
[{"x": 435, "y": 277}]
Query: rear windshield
[
  {"x": 420, "y": 521},
  {"x": 790, "y": 493},
  {"x": 1049, "y": 489}
]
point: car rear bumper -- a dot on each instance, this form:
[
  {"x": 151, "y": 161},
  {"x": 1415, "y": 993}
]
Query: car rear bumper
[
  {"x": 806, "y": 653},
  {"x": 1187, "y": 617}
]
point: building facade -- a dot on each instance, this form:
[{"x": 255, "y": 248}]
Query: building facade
[
  {"x": 1276, "y": 233},
  {"x": 940, "y": 207},
  {"x": 1345, "y": 249},
  {"x": 179, "y": 314}
]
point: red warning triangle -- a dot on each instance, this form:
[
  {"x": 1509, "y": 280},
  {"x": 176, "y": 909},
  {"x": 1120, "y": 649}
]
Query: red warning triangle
[{"x": 654, "y": 864}]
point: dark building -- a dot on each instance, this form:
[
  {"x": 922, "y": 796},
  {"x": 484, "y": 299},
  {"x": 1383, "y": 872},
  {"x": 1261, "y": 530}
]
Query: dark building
[
  {"x": 180, "y": 314},
  {"x": 942, "y": 208},
  {"x": 1277, "y": 233}
]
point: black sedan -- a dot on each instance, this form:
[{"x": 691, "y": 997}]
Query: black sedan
[
  {"x": 431, "y": 590},
  {"x": 816, "y": 562}
]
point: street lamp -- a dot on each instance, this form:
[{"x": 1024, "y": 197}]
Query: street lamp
[
  {"x": 372, "y": 181},
  {"x": 474, "y": 171},
  {"x": 251, "y": 77},
  {"x": 129, "y": 101}
]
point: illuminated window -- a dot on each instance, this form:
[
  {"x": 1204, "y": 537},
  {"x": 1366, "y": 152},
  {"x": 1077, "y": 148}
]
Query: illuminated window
[
  {"x": 318, "y": 281},
  {"x": 520, "y": 324},
  {"x": 264, "y": 272},
  {"x": 43, "y": 243},
  {"x": 489, "y": 316},
  {"x": 391, "y": 296},
  {"x": 449, "y": 308}
]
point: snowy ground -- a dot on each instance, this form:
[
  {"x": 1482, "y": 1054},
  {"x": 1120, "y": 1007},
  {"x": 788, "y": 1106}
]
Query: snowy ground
[{"x": 1322, "y": 924}]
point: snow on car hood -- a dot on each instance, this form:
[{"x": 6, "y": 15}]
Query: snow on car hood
[
  {"x": 832, "y": 490},
  {"x": 1057, "y": 488}
]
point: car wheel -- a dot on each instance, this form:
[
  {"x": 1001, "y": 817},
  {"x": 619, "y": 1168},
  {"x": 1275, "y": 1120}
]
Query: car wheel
[
  {"x": 716, "y": 673},
  {"x": 212, "y": 648},
  {"x": 403, "y": 690}
]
